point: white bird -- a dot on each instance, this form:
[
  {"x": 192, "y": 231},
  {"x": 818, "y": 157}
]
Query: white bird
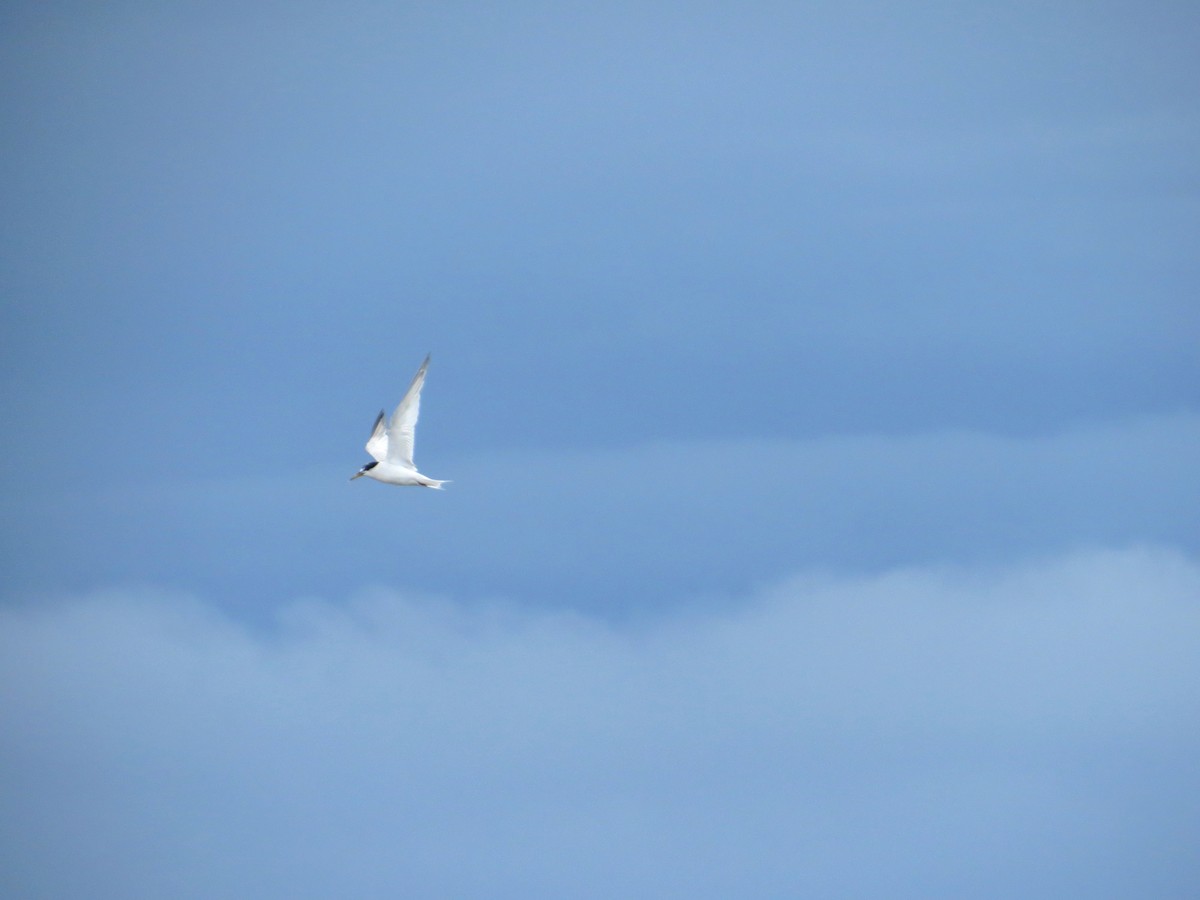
[{"x": 391, "y": 443}]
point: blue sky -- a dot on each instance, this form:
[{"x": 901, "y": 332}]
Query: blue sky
[{"x": 819, "y": 387}]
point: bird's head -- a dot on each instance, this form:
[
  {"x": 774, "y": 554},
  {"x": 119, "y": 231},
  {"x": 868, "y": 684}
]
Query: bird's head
[{"x": 364, "y": 470}]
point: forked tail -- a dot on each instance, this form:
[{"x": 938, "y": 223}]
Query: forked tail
[{"x": 433, "y": 483}]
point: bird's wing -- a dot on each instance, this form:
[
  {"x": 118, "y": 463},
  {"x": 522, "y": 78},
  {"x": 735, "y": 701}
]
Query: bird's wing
[
  {"x": 377, "y": 443},
  {"x": 402, "y": 429}
]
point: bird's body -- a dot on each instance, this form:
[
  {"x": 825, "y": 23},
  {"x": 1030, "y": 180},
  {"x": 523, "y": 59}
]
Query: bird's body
[{"x": 391, "y": 442}]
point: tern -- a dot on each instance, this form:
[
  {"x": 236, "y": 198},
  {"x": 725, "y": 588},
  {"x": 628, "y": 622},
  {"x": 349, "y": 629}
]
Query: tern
[{"x": 391, "y": 443}]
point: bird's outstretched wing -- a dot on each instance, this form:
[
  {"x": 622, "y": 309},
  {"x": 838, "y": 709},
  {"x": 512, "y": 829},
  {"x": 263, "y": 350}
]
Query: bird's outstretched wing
[
  {"x": 377, "y": 443},
  {"x": 402, "y": 429}
]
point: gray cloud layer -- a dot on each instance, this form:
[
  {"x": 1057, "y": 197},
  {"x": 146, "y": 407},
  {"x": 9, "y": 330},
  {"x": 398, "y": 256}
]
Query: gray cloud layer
[
  {"x": 1022, "y": 731},
  {"x": 608, "y": 529},
  {"x": 810, "y": 218}
]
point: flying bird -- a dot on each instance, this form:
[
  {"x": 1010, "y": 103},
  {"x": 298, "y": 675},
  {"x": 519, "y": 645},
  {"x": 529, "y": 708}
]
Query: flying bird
[{"x": 391, "y": 443}]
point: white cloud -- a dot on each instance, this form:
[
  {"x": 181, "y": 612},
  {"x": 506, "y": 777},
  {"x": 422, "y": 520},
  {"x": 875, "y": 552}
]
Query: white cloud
[{"x": 1021, "y": 731}]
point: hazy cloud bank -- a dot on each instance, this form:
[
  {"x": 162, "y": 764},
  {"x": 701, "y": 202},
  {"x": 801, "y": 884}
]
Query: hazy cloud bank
[
  {"x": 1020, "y": 731},
  {"x": 614, "y": 529}
]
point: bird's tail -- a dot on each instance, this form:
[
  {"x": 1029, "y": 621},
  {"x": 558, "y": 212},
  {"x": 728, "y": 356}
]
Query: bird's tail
[{"x": 433, "y": 483}]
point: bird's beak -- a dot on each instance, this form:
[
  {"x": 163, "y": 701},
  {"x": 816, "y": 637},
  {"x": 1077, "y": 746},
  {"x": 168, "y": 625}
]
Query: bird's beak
[{"x": 355, "y": 475}]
